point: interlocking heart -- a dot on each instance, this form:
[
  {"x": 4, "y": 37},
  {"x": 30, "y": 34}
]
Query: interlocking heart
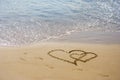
[{"x": 72, "y": 56}]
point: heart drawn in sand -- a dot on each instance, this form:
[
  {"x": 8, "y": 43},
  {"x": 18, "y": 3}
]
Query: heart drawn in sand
[{"x": 72, "y": 56}]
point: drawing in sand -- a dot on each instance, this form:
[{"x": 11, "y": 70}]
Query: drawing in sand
[{"x": 72, "y": 56}]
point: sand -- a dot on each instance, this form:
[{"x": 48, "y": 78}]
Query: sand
[{"x": 60, "y": 61}]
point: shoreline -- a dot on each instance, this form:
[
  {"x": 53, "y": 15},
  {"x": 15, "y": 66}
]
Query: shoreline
[
  {"x": 88, "y": 37},
  {"x": 59, "y": 43}
]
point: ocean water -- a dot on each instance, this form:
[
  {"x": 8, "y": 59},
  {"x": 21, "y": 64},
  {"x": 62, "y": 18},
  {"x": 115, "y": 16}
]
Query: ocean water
[{"x": 31, "y": 21}]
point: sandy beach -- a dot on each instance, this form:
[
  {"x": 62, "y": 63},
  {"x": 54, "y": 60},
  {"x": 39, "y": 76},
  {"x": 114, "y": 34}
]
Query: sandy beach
[
  {"x": 59, "y": 39},
  {"x": 60, "y": 61}
]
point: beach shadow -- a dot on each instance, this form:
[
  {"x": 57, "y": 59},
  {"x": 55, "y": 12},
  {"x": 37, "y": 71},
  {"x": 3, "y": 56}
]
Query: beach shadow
[
  {"x": 27, "y": 57},
  {"x": 104, "y": 75}
]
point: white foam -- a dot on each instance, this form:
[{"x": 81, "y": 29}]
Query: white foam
[{"x": 25, "y": 22}]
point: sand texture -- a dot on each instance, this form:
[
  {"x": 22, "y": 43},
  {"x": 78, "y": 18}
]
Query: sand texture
[{"x": 60, "y": 61}]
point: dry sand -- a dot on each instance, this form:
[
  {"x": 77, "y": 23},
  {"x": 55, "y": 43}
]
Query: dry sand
[{"x": 34, "y": 62}]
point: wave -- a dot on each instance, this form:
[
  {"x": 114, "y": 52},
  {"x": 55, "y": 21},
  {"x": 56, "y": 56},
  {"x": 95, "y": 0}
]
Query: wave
[{"x": 25, "y": 22}]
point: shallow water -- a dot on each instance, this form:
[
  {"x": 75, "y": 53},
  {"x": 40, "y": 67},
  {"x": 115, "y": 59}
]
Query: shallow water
[{"x": 31, "y": 21}]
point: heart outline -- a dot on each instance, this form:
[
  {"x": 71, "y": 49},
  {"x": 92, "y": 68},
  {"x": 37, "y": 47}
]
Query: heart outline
[
  {"x": 85, "y": 54},
  {"x": 75, "y": 59}
]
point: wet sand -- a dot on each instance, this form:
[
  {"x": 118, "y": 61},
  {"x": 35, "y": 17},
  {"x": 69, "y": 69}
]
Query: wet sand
[{"x": 60, "y": 61}]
